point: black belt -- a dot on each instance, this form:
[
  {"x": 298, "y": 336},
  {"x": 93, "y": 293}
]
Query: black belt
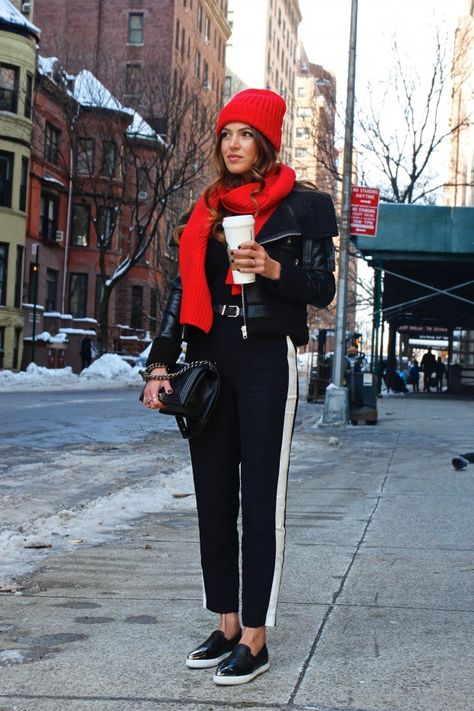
[{"x": 230, "y": 310}]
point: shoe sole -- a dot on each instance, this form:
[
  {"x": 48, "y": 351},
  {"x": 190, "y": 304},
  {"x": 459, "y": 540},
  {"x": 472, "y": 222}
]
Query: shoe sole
[
  {"x": 206, "y": 663},
  {"x": 244, "y": 679}
]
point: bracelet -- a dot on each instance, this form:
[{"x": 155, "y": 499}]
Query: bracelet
[
  {"x": 152, "y": 366},
  {"x": 146, "y": 373}
]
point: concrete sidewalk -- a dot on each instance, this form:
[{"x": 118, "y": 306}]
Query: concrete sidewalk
[{"x": 377, "y": 602}]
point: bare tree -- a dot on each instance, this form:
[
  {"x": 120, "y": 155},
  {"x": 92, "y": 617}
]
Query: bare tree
[
  {"x": 400, "y": 132},
  {"x": 134, "y": 180}
]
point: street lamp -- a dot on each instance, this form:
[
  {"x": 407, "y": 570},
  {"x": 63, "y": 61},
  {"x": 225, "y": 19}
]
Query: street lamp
[
  {"x": 35, "y": 299},
  {"x": 336, "y": 403}
]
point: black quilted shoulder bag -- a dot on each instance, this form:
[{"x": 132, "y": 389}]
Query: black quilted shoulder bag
[{"x": 195, "y": 392}]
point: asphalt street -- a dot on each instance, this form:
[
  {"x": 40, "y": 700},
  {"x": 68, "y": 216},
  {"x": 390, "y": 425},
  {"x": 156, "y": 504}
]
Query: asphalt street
[{"x": 48, "y": 420}]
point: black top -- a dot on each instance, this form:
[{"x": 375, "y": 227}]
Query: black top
[{"x": 217, "y": 266}]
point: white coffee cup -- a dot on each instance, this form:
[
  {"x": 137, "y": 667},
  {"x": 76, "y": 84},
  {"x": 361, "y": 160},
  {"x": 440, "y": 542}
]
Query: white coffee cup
[{"x": 238, "y": 229}]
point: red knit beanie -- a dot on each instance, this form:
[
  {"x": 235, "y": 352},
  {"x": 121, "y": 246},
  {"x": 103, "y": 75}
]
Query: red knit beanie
[{"x": 260, "y": 108}]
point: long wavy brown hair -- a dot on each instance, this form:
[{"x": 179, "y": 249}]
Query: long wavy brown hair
[{"x": 266, "y": 160}]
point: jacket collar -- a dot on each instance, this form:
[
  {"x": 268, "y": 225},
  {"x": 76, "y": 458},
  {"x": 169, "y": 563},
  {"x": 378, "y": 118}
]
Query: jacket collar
[{"x": 281, "y": 223}]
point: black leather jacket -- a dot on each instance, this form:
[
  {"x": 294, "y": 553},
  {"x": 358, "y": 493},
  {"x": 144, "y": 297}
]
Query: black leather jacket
[{"x": 299, "y": 236}]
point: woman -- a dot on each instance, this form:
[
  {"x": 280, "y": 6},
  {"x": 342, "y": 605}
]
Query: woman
[{"x": 251, "y": 333}]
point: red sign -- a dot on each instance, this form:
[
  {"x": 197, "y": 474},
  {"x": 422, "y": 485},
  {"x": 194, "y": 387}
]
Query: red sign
[{"x": 364, "y": 210}]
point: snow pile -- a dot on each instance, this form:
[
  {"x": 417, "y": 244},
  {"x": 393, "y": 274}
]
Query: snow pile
[
  {"x": 106, "y": 515},
  {"x": 107, "y": 371},
  {"x": 109, "y": 367}
]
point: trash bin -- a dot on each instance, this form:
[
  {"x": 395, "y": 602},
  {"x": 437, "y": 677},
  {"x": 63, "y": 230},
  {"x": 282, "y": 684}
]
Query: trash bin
[{"x": 362, "y": 386}]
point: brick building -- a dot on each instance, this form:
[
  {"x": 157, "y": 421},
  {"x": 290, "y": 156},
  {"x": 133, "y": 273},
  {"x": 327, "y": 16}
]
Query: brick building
[
  {"x": 138, "y": 47},
  {"x": 95, "y": 212},
  {"x": 165, "y": 59}
]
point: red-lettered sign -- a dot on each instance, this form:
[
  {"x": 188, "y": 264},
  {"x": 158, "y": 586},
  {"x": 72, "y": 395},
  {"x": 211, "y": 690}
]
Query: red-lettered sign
[{"x": 364, "y": 210}]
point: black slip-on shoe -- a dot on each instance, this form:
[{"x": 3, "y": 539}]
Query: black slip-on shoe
[
  {"x": 241, "y": 666},
  {"x": 214, "y": 650}
]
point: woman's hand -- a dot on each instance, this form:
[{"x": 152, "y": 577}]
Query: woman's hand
[
  {"x": 153, "y": 387},
  {"x": 252, "y": 258}
]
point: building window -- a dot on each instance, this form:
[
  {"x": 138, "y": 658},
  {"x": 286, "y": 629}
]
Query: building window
[
  {"x": 183, "y": 43},
  {"x": 301, "y": 153},
  {"x": 176, "y": 39},
  {"x": 48, "y": 216},
  {"x": 197, "y": 64},
  {"x": 6, "y": 178},
  {"x": 78, "y": 295},
  {"x": 9, "y": 77},
  {"x": 105, "y": 227},
  {"x": 99, "y": 293},
  {"x": 143, "y": 181},
  {"x": 205, "y": 76},
  {"x": 80, "y": 226},
  {"x": 136, "y": 317},
  {"x": 85, "y": 156},
  {"x": 133, "y": 77},
  {"x": 109, "y": 159},
  {"x": 18, "y": 274},
  {"x": 195, "y": 114},
  {"x": 23, "y": 183},
  {"x": 303, "y": 111},
  {"x": 302, "y": 132},
  {"x": 52, "y": 136},
  {"x": 207, "y": 29},
  {"x": 135, "y": 28},
  {"x": 199, "y": 17},
  {"x": 153, "y": 318},
  {"x": 50, "y": 303},
  {"x": 16, "y": 348},
  {"x": 28, "y": 95},
  {"x": 301, "y": 92},
  {"x": 3, "y": 272}
]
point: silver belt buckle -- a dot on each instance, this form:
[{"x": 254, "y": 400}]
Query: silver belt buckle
[{"x": 227, "y": 308}]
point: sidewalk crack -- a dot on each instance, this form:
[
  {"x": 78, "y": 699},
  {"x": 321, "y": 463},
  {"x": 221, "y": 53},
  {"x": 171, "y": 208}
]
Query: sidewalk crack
[{"x": 337, "y": 594}]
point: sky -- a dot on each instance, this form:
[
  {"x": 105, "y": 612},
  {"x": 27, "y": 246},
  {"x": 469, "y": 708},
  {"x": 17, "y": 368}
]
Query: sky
[{"x": 324, "y": 31}]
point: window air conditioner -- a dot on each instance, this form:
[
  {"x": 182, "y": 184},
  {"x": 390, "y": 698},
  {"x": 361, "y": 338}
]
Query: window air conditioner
[
  {"x": 142, "y": 195},
  {"x": 59, "y": 236}
]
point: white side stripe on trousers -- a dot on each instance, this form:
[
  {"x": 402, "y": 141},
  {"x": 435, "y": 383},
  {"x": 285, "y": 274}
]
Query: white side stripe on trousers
[{"x": 282, "y": 482}]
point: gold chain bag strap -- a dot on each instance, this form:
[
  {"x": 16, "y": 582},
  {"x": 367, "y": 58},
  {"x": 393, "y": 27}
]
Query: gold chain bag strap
[{"x": 195, "y": 391}]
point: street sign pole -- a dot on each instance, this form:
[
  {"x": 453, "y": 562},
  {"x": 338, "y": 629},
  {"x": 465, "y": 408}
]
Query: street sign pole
[{"x": 336, "y": 403}]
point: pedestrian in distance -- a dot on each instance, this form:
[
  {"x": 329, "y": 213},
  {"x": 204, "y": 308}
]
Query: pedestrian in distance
[
  {"x": 85, "y": 351},
  {"x": 251, "y": 333},
  {"x": 440, "y": 372},
  {"x": 428, "y": 366},
  {"x": 414, "y": 376}
]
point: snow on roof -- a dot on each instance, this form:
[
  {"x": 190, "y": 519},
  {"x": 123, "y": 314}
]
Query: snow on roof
[
  {"x": 46, "y": 65},
  {"x": 11, "y": 16},
  {"x": 89, "y": 91}
]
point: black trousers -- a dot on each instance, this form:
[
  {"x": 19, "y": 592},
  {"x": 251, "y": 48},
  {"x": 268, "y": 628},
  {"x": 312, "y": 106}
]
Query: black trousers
[{"x": 243, "y": 458}]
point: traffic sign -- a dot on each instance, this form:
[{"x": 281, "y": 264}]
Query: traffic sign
[{"x": 364, "y": 210}]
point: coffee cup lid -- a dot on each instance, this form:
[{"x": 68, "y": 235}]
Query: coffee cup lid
[{"x": 238, "y": 220}]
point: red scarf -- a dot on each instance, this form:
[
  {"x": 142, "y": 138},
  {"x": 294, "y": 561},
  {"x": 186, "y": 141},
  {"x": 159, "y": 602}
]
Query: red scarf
[{"x": 196, "y": 306}]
